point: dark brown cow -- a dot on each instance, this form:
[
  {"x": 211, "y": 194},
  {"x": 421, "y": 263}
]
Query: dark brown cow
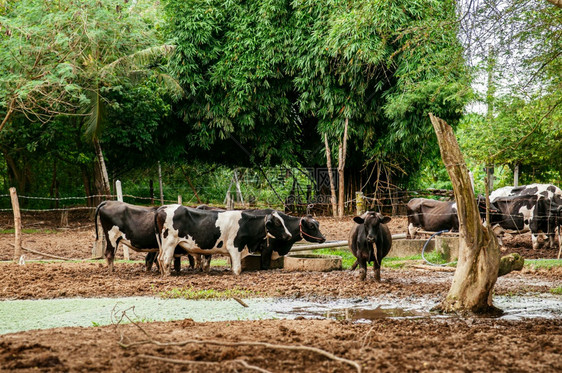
[{"x": 370, "y": 241}]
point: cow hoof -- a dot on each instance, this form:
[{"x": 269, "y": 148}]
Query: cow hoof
[{"x": 362, "y": 275}]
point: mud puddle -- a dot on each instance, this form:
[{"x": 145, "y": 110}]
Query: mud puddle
[{"x": 20, "y": 315}]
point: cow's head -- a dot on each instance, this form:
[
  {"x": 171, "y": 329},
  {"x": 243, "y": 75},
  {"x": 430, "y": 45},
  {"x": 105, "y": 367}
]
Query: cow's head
[
  {"x": 276, "y": 228},
  {"x": 495, "y": 212},
  {"x": 371, "y": 221},
  {"x": 310, "y": 230}
]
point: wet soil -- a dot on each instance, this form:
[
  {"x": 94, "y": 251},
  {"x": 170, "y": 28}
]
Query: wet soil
[{"x": 451, "y": 344}]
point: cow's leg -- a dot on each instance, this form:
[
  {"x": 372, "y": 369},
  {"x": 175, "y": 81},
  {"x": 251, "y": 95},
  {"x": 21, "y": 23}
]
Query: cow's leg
[
  {"x": 377, "y": 272},
  {"x": 110, "y": 253},
  {"x": 411, "y": 230},
  {"x": 206, "y": 263},
  {"x": 363, "y": 270},
  {"x": 265, "y": 259},
  {"x": 177, "y": 264},
  {"x": 149, "y": 260},
  {"x": 191, "y": 261}
]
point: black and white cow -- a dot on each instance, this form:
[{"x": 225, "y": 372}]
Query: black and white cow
[
  {"x": 431, "y": 215},
  {"x": 300, "y": 228},
  {"x": 210, "y": 232},
  {"x": 370, "y": 241},
  {"x": 535, "y": 208},
  {"x": 129, "y": 225}
]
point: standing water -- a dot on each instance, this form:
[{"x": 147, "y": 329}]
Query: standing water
[{"x": 19, "y": 315}]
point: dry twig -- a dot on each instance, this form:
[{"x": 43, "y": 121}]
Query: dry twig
[{"x": 150, "y": 340}]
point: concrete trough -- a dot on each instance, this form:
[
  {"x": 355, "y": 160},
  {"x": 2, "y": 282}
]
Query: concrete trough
[
  {"x": 312, "y": 262},
  {"x": 407, "y": 248},
  {"x": 252, "y": 262},
  {"x": 448, "y": 247}
]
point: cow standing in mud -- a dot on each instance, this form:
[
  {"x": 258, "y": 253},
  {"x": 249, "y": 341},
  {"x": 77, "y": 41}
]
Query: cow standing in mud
[
  {"x": 370, "y": 241},
  {"x": 536, "y": 208},
  {"x": 210, "y": 232},
  {"x": 130, "y": 225}
]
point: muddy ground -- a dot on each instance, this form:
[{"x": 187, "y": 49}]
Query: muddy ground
[{"x": 425, "y": 344}]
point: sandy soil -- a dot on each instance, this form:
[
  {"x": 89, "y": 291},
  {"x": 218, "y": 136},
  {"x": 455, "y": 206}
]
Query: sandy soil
[{"x": 451, "y": 344}]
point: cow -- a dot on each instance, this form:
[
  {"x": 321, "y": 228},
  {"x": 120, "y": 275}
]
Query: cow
[
  {"x": 300, "y": 228},
  {"x": 195, "y": 261},
  {"x": 431, "y": 215},
  {"x": 535, "y": 208},
  {"x": 370, "y": 241},
  {"x": 130, "y": 225},
  {"x": 210, "y": 232},
  {"x": 306, "y": 228}
]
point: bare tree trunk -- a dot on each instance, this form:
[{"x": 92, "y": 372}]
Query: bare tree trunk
[
  {"x": 104, "y": 185},
  {"x": 479, "y": 256},
  {"x": 341, "y": 166},
  {"x": 329, "y": 165}
]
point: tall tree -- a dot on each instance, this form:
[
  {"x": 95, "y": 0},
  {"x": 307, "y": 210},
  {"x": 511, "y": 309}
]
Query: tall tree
[{"x": 55, "y": 58}]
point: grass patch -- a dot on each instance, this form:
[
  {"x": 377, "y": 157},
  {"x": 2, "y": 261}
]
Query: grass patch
[
  {"x": 557, "y": 290},
  {"x": 390, "y": 262},
  {"x": 347, "y": 257},
  {"x": 191, "y": 293},
  {"x": 543, "y": 263}
]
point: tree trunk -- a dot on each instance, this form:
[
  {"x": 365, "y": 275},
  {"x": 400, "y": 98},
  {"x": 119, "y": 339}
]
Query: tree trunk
[
  {"x": 479, "y": 256},
  {"x": 103, "y": 185},
  {"x": 329, "y": 165},
  {"x": 341, "y": 166}
]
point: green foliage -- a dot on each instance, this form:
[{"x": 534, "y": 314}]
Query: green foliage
[
  {"x": 268, "y": 71},
  {"x": 557, "y": 290}
]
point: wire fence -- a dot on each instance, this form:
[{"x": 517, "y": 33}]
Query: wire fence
[{"x": 70, "y": 209}]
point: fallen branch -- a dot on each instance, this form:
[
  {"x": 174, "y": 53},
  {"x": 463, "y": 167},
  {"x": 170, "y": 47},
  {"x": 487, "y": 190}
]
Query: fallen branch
[
  {"x": 43, "y": 254},
  {"x": 188, "y": 362},
  {"x": 434, "y": 268},
  {"x": 150, "y": 340},
  {"x": 240, "y": 301}
]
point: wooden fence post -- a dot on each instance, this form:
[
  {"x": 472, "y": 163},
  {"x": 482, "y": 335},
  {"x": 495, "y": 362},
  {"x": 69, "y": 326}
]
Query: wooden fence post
[
  {"x": 119, "y": 192},
  {"x": 359, "y": 203},
  {"x": 17, "y": 224},
  {"x": 180, "y": 200}
]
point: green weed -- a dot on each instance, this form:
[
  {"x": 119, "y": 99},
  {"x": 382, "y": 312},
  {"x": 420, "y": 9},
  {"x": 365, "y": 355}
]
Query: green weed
[
  {"x": 557, "y": 290},
  {"x": 191, "y": 293}
]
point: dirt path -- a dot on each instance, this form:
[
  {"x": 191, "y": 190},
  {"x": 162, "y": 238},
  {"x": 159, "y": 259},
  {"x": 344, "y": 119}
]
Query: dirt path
[{"x": 388, "y": 345}]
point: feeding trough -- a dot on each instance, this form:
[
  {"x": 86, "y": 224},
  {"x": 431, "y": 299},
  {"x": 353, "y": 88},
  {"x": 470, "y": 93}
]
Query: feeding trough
[{"x": 312, "y": 262}]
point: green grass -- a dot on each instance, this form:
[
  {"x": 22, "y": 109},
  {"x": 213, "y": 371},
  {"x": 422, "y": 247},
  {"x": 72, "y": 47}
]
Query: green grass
[
  {"x": 191, "y": 293},
  {"x": 543, "y": 263},
  {"x": 556, "y": 290},
  {"x": 390, "y": 262}
]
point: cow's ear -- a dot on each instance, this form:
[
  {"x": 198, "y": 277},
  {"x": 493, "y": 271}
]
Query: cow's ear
[
  {"x": 358, "y": 220},
  {"x": 386, "y": 219}
]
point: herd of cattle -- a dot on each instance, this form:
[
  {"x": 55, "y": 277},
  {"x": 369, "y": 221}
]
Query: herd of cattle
[
  {"x": 536, "y": 208},
  {"x": 172, "y": 231}
]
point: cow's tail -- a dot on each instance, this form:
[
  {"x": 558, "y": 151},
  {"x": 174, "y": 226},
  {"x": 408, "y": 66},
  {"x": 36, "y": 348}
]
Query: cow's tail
[{"x": 96, "y": 217}]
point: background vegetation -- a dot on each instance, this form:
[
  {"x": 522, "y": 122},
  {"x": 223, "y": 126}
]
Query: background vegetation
[{"x": 207, "y": 87}]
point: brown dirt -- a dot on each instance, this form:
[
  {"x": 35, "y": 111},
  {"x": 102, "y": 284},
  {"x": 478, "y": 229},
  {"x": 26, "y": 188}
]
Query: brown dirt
[{"x": 452, "y": 344}]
